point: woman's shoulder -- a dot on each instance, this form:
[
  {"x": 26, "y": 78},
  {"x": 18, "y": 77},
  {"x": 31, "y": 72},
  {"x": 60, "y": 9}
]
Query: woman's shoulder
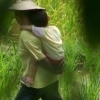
[
  {"x": 27, "y": 35},
  {"x": 25, "y": 32}
]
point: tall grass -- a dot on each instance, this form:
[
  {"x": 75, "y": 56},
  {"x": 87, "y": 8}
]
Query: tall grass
[
  {"x": 9, "y": 70},
  {"x": 80, "y": 80}
]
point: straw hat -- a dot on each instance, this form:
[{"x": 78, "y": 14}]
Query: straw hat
[{"x": 24, "y": 5}]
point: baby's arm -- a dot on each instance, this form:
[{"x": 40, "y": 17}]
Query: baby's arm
[
  {"x": 32, "y": 68},
  {"x": 37, "y": 31},
  {"x": 29, "y": 80}
]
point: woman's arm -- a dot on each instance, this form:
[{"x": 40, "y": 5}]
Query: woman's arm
[{"x": 45, "y": 63}]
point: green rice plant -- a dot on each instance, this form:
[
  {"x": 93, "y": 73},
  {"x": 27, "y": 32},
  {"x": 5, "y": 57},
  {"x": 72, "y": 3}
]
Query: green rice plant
[
  {"x": 10, "y": 67},
  {"x": 72, "y": 49},
  {"x": 90, "y": 88},
  {"x": 84, "y": 86},
  {"x": 88, "y": 81}
]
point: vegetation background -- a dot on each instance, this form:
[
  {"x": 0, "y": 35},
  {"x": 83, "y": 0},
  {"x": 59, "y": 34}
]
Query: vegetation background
[{"x": 80, "y": 81}]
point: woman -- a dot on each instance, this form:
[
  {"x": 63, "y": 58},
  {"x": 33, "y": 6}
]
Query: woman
[{"x": 30, "y": 51}]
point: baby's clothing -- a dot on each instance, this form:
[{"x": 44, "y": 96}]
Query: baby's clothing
[{"x": 51, "y": 41}]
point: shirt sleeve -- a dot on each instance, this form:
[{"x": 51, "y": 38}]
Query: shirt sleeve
[
  {"x": 58, "y": 31},
  {"x": 38, "y": 31},
  {"x": 33, "y": 47}
]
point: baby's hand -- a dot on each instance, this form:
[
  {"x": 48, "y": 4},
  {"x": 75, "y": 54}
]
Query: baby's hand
[{"x": 26, "y": 27}]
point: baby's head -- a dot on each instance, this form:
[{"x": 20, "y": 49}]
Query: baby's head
[{"x": 37, "y": 18}]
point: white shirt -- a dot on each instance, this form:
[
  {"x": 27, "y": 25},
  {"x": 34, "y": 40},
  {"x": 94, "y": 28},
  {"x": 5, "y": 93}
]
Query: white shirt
[{"x": 51, "y": 41}]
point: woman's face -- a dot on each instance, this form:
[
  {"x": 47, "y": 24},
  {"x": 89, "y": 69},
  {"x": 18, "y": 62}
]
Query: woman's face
[
  {"x": 18, "y": 17},
  {"x": 21, "y": 18}
]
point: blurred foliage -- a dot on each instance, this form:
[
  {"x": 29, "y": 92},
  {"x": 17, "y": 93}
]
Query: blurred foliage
[
  {"x": 5, "y": 16},
  {"x": 90, "y": 15}
]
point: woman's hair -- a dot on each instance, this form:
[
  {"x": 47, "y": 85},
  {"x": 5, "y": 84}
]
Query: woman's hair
[{"x": 38, "y": 18}]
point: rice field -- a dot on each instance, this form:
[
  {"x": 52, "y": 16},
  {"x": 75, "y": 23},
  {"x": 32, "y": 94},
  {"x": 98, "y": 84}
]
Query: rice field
[{"x": 80, "y": 81}]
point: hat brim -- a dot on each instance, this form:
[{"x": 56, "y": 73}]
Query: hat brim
[{"x": 25, "y": 5}]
